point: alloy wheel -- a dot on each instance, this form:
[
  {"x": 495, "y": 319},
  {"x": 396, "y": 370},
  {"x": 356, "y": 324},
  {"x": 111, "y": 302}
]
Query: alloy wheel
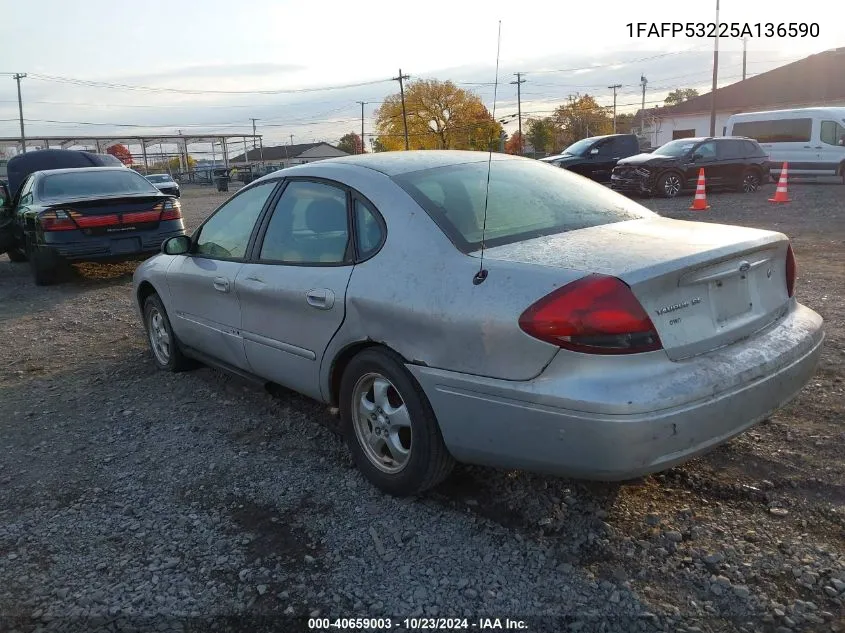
[
  {"x": 159, "y": 336},
  {"x": 750, "y": 183},
  {"x": 381, "y": 422}
]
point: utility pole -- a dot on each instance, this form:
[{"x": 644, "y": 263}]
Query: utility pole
[
  {"x": 614, "y": 87},
  {"x": 715, "y": 75},
  {"x": 18, "y": 77},
  {"x": 744, "y": 55},
  {"x": 518, "y": 82},
  {"x": 400, "y": 78},
  {"x": 643, "y": 83},
  {"x": 363, "y": 103},
  {"x": 260, "y": 141}
]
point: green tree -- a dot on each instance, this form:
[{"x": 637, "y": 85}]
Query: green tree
[
  {"x": 440, "y": 116},
  {"x": 540, "y": 135},
  {"x": 624, "y": 123},
  {"x": 580, "y": 118},
  {"x": 680, "y": 95}
]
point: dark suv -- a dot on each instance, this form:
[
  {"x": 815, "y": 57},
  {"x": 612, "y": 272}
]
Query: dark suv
[
  {"x": 729, "y": 162},
  {"x": 595, "y": 157}
]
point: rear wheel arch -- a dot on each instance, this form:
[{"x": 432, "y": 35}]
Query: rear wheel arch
[{"x": 344, "y": 357}]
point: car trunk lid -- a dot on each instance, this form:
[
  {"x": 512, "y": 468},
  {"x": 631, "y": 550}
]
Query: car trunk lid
[{"x": 703, "y": 285}]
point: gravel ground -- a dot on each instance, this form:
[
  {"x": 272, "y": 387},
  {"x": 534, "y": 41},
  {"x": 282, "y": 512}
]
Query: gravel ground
[{"x": 134, "y": 498}]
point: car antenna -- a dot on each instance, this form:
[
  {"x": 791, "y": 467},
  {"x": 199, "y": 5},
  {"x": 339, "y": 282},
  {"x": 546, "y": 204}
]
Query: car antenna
[{"x": 481, "y": 275}]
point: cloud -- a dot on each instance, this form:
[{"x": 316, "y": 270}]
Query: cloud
[{"x": 328, "y": 115}]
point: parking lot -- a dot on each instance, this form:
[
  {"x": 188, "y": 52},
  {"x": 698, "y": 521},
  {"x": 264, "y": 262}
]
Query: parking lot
[{"x": 128, "y": 493}]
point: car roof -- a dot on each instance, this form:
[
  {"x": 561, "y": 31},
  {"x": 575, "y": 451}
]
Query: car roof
[
  {"x": 168, "y": 175},
  {"x": 402, "y": 162}
]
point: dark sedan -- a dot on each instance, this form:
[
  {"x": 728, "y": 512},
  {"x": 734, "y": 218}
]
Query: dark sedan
[
  {"x": 88, "y": 214},
  {"x": 728, "y": 162}
]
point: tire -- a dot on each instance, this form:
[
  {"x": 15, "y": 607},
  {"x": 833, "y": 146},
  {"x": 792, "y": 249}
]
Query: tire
[
  {"x": 669, "y": 185},
  {"x": 17, "y": 254},
  {"x": 45, "y": 264},
  {"x": 842, "y": 172},
  {"x": 405, "y": 454},
  {"x": 163, "y": 343},
  {"x": 750, "y": 181}
]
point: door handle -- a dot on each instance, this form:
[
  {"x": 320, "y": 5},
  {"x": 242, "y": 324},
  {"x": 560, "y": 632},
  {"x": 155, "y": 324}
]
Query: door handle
[
  {"x": 808, "y": 147},
  {"x": 320, "y": 298},
  {"x": 819, "y": 147},
  {"x": 221, "y": 284}
]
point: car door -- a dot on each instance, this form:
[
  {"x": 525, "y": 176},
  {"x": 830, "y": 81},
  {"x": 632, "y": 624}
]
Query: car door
[
  {"x": 205, "y": 311},
  {"x": 293, "y": 291},
  {"x": 605, "y": 160},
  {"x": 831, "y": 147},
  {"x": 704, "y": 155}
]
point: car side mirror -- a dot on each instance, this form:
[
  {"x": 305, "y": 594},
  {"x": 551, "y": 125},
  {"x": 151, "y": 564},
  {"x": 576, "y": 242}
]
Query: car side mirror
[
  {"x": 697, "y": 156},
  {"x": 179, "y": 245},
  {"x": 594, "y": 151}
]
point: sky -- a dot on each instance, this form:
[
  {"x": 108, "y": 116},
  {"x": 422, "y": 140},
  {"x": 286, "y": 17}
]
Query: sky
[{"x": 117, "y": 68}]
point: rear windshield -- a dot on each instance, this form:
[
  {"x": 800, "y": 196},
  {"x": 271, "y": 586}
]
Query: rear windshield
[
  {"x": 164, "y": 178},
  {"x": 527, "y": 199},
  {"x": 106, "y": 182}
]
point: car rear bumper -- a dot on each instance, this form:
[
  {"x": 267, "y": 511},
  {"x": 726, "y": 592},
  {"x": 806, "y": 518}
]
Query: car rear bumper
[
  {"x": 76, "y": 246},
  {"x": 576, "y": 420}
]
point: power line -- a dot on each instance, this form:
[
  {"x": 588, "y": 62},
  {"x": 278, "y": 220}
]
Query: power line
[{"x": 116, "y": 86}]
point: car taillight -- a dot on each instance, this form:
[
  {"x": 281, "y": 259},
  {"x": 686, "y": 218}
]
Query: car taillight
[
  {"x": 93, "y": 221},
  {"x": 140, "y": 217},
  {"x": 597, "y": 314},
  {"x": 57, "y": 221},
  {"x": 791, "y": 271},
  {"x": 172, "y": 210}
]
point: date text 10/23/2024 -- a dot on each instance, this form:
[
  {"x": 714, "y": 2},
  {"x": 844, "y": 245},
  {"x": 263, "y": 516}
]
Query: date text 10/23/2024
[
  {"x": 723, "y": 29},
  {"x": 416, "y": 624}
]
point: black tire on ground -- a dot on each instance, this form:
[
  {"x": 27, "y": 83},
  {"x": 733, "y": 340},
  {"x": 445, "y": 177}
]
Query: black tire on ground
[
  {"x": 669, "y": 185},
  {"x": 173, "y": 360},
  {"x": 750, "y": 181},
  {"x": 16, "y": 254},
  {"x": 46, "y": 265},
  {"x": 429, "y": 462}
]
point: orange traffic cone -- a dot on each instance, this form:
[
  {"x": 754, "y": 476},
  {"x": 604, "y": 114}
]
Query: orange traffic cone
[
  {"x": 781, "y": 194},
  {"x": 700, "y": 201}
]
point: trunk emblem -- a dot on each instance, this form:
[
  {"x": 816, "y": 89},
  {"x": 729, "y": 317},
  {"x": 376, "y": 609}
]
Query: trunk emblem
[
  {"x": 677, "y": 306},
  {"x": 744, "y": 267}
]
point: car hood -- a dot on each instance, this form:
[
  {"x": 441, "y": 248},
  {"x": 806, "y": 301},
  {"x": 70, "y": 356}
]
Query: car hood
[
  {"x": 647, "y": 159},
  {"x": 569, "y": 159}
]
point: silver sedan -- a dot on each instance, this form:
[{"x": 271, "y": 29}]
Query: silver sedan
[{"x": 508, "y": 313}]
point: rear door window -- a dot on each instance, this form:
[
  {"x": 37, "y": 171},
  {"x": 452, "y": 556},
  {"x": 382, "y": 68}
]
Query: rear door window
[{"x": 731, "y": 150}]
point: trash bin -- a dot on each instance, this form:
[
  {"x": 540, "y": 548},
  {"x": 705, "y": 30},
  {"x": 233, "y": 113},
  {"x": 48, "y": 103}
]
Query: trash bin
[{"x": 222, "y": 183}]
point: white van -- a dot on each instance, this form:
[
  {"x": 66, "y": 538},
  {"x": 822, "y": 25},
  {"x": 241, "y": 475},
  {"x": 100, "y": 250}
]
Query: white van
[{"x": 811, "y": 140}]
